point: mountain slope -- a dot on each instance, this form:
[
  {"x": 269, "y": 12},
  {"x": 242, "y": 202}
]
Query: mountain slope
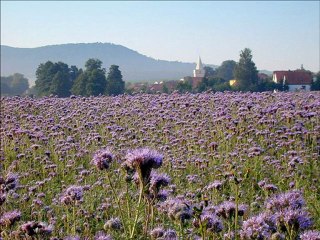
[{"x": 133, "y": 65}]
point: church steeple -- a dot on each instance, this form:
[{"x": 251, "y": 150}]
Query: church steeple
[
  {"x": 199, "y": 71},
  {"x": 199, "y": 64}
]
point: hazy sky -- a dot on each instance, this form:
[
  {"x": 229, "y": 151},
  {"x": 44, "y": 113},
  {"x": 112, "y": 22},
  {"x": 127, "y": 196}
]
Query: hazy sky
[{"x": 281, "y": 35}]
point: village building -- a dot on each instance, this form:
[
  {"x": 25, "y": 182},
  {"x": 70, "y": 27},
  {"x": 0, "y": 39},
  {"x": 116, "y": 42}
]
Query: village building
[
  {"x": 198, "y": 75},
  {"x": 298, "y": 80},
  {"x": 160, "y": 86}
]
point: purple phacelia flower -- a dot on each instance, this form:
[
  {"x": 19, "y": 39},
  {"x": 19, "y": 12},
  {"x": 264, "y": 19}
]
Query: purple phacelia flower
[
  {"x": 215, "y": 185},
  {"x": 176, "y": 209},
  {"x": 102, "y": 158},
  {"x": 227, "y": 209},
  {"x": 72, "y": 194},
  {"x": 210, "y": 222},
  {"x": 256, "y": 227},
  {"x": 310, "y": 235},
  {"x": 156, "y": 181},
  {"x": 11, "y": 182},
  {"x": 9, "y": 218},
  {"x": 288, "y": 200},
  {"x": 143, "y": 157},
  {"x": 32, "y": 227},
  {"x": 157, "y": 232},
  {"x": 170, "y": 234},
  {"x": 113, "y": 223},
  {"x": 143, "y": 160},
  {"x": 102, "y": 236},
  {"x": 295, "y": 219}
]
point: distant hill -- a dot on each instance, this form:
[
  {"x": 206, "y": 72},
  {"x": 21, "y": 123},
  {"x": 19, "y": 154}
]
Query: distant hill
[
  {"x": 133, "y": 65},
  {"x": 266, "y": 72}
]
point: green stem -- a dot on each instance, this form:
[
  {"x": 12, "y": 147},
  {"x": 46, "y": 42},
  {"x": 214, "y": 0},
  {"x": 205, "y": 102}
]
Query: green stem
[
  {"x": 203, "y": 234},
  {"x": 74, "y": 219},
  {"x": 148, "y": 218},
  {"x": 237, "y": 208},
  {"x": 137, "y": 211},
  {"x": 181, "y": 229},
  {"x": 118, "y": 202},
  {"x": 128, "y": 201}
]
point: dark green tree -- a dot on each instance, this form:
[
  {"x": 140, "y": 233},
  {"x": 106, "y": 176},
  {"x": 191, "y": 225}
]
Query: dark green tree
[
  {"x": 165, "y": 88},
  {"x": 184, "y": 86},
  {"x": 246, "y": 72},
  {"x": 54, "y": 78},
  {"x": 15, "y": 84},
  {"x": 209, "y": 72},
  {"x": 315, "y": 86},
  {"x": 91, "y": 81},
  {"x": 115, "y": 84},
  {"x": 226, "y": 70},
  {"x": 79, "y": 85}
]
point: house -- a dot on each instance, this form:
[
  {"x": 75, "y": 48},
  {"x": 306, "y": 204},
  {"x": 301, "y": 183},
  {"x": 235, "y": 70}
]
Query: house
[
  {"x": 298, "y": 80},
  {"x": 159, "y": 86}
]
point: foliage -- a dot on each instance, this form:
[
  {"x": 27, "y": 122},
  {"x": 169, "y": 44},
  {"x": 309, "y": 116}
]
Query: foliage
[
  {"x": 55, "y": 78},
  {"x": 316, "y": 84},
  {"x": 115, "y": 84},
  {"x": 209, "y": 72},
  {"x": 15, "y": 84},
  {"x": 214, "y": 84},
  {"x": 246, "y": 72},
  {"x": 184, "y": 86},
  {"x": 165, "y": 88},
  {"x": 226, "y": 70},
  {"x": 92, "y": 81}
]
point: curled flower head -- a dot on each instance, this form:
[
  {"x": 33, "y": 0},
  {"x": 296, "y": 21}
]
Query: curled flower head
[
  {"x": 113, "y": 223},
  {"x": 11, "y": 181},
  {"x": 143, "y": 160},
  {"x": 227, "y": 209},
  {"x": 32, "y": 227},
  {"x": 102, "y": 158},
  {"x": 170, "y": 234},
  {"x": 256, "y": 227},
  {"x": 310, "y": 235},
  {"x": 157, "y": 180},
  {"x": 102, "y": 236},
  {"x": 9, "y": 218},
  {"x": 210, "y": 221},
  {"x": 288, "y": 200},
  {"x": 72, "y": 194},
  {"x": 296, "y": 219},
  {"x": 179, "y": 210},
  {"x": 157, "y": 232}
]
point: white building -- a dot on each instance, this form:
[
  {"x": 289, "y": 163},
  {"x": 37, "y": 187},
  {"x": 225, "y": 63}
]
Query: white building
[
  {"x": 298, "y": 80},
  {"x": 199, "y": 72}
]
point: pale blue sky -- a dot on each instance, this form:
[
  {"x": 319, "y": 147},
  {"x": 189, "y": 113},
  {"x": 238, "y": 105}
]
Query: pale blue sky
[{"x": 281, "y": 35}]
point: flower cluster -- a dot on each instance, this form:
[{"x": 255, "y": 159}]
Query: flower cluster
[
  {"x": 102, "y": 158},
  {"x": 72, "y": 194},
  {"x": 143, "y": 160}
]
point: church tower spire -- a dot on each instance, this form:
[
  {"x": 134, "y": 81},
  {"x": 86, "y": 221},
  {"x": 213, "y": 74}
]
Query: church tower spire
[
  {"x": 199, "y": 71},
  {"x": 199, "y": 64}
]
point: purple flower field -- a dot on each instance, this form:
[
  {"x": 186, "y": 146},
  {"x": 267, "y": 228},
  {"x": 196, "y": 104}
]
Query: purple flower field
[{"x": 191, "y": 166}]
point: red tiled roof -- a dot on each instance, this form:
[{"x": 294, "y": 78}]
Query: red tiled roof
[{"x": 294, "y": 77}]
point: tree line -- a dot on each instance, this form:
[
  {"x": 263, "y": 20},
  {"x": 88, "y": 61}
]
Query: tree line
[
  {"x": 61, "y": 80},
  {"x": 15, "y": 84}
]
